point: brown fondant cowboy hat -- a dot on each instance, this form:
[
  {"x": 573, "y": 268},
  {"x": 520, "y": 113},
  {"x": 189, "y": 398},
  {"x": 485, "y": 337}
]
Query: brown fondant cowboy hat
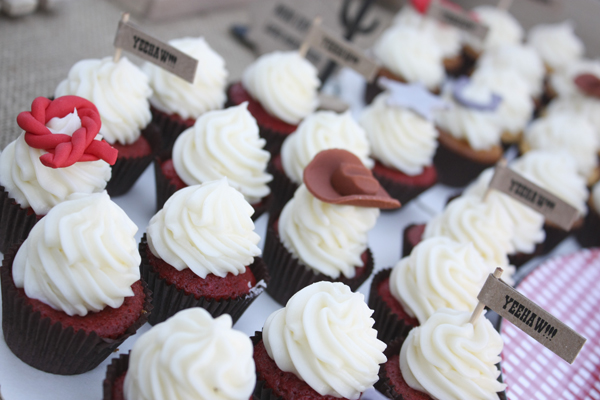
[{"x": 337, "y": 176}]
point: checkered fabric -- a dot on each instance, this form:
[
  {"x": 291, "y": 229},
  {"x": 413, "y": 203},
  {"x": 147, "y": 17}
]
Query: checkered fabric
[{"x": 567, "y": 287}]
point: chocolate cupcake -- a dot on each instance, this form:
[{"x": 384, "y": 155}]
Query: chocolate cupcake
[
  {"x": 278, "y": 109},
  {"x": 222, "y": 143},
  {"x": 324, "y": 358},
  {"x": 217, "y": 361},
  {"x": 589, "y": 234},
  {"x": 120, "y": 91},
  {"x": 200, "y": 251},
  {"x": 42, "y": 167},
  {"x": 71, "y": 294},
  {"x": 321, "y": 233}
]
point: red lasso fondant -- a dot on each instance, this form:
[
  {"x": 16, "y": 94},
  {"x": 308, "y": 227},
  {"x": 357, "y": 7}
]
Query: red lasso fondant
[{"x": 64, "y": 150}]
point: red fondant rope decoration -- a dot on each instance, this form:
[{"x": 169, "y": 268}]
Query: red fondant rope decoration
[{"x": 64, "y": 150}]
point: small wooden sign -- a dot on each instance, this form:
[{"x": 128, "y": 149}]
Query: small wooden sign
[
  {"x": 332, "y": 103},
  {"x": 136, "y": 42},
  {"x": 531, "y": 319},
  {"x": 340, "y": 50},
  {"x": 458, "y": 18},
  {"x": 521, "y": 189}
]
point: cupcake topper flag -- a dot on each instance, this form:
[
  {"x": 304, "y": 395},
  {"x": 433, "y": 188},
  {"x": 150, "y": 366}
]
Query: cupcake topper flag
[
  {"x": 529, "y": 317},
  {"x": 537, "y": 198},
  {"x": 414, "y": 96},
  {"x": 452, "y": 14},
  {"x": 64, "y": 150},
  {"x": 338, "y": 49},
  {"x": 337, "y": 176},
  {"x": 131, "y": 39}
]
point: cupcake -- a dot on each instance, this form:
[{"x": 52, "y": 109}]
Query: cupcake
[
  {"x": 446, "y": 358},
  {"x": 177, "y": 103},
  {"x": 120, "y": 91},
  {"x": 320, "y": 346},
  {"x": 557, "y": 44},
  {"x": 322, "y": 130},
  {"x": 589, "y": 234},
  {"x": 403, "y": 144},
  {"x": 36, "y": 173},
  {"x": 408, "y": 55},
  {"x": 504, "y": 28},
  {"x": 555, "y": 132},
  {"x": 446, "y": 36},
  {"x": 439, "y": 272},
  {"x": 281, "y": 89},
  {"x": 71, "y": 293},
  {"x": 222, "y": 143},
  {"x": 321, "y": 233},
  {"x": 201, "y": 250},
  {"x": 469, "y": 132},
  {"x": 191, "y": 355}
]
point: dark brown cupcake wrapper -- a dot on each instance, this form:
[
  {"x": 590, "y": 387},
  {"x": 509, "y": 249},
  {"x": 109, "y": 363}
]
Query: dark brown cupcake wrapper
[
  {"x": 288, "y": 275},
  {"x": 126, "y": 171},
  {"x": 48, "y": 346},
  {"x": 165, "y": 189},
  {"x": 261, "y": 391},
  {"x": 170, "y": 127},
  {"x": 15, "y": 222},
  {"x": 115, "y": 369},
  {"x": 455, "y": 170},
  {"x": 589, "y": 234},
  {"x": 282, "y": 189},
  {"x": 399, "y": 191},
  {"x": 168, "y": 299},
  {"x": 387, "y": 324},
  {"x": 384, "y": 386}
]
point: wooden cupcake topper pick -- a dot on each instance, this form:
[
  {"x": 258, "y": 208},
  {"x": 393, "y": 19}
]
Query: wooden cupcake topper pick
[{"x": 337, "y": 176}]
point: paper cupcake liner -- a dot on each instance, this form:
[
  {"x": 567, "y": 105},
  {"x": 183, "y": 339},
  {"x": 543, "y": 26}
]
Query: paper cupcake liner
[
  {"x": 282, "y": 189},
  {"x": 455, "y": 170},
  {"x": 385, "y": 387},
  {"x": 518, "y": 259},
  {"x": 48, "y": 346},
  {"x": 126, "y": 171},
  {"x": 554, "y": 235},
  {"x": 288, "y": 275},
  {"x": 165, "y": 189},
  {"x": 15, "y": 222},
  {"x": 114, "y": 370},
  {"x": 261, "y": 391},
  {"x": 400, "y": 191},
  {"x": 387, "y": 324},
  {"x": 168, "y": 299},
  {"x": 170, "y": 127},
  {"x": 589, "y": 234}
]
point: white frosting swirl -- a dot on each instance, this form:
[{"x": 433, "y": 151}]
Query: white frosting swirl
[
  {"x": 320, "y": 131},
  {"x": 584, "y": 107},
  {"x": 563, "y": 81},
  {"x": 555, "y": 132},
  {"x": 120, "y": 92},
  {"x": 412, "y": 55},
  {"x": 399, "y": 138},
  {"x": 481, "y": 129},
  {"x": 224, "y": 143},
  {"x": 81, "y": 257},
  {"x": 555, "y": 171},
  {"x": 504, "y": 28},
  {"x": 285, "y": 84},
  {"x": 190, "y": 100},
  {"x": 191, "y": 355},
  {"x": 596, "y": 197},
  {"x": 34, "y": 185},
  {"x": 469, "y": 219},
  {"x": 325, "y": 336},
  {"x": 516, "y": 108},
  {"x": 207, "y": 228},
  {"x": 528, "y": 223},
  {"x": 328, "y": 238},
  {"x": 446, "y": 36},
  {"x": 451, "y": 359},
  {"x": 523, "y": 60},
  {"x": 438, "y": 273},
  {"x": 557, "y": 44}
]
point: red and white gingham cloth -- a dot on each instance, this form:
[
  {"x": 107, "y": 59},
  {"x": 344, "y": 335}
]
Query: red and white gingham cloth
[{"x": 569, "y": 288}]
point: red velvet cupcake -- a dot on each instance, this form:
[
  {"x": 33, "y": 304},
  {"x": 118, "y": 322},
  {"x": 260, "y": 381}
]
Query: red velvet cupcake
[
  {"x": 71, "y": 334},
  {"x": 278, "y": 109},
  {"x": 213, "y": 261}
]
